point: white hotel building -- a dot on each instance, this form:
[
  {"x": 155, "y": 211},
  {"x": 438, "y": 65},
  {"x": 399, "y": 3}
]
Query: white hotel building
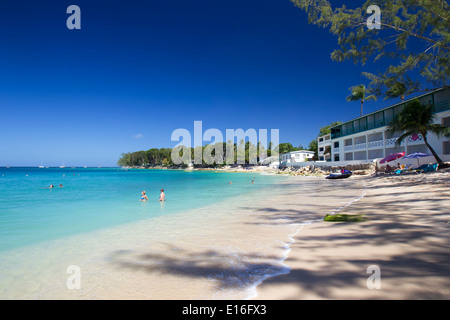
[
  {"x": 295, "y": 157},
  {"x": 367, "y": 138}
]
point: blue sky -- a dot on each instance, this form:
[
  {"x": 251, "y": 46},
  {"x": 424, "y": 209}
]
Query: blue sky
[{"x": 138, "y": 70}]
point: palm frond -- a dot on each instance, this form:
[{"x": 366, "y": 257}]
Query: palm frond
[
  {"x": 403, "y": 136},
  {"x": 439, "y": 130}
]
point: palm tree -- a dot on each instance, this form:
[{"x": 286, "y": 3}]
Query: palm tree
[
  {"x": 360, "y": 93},
  {"x": 416, "y": 118}
]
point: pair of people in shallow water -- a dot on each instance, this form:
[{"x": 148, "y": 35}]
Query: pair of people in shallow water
[
  {"x": 162, "y": 196},
  {"x": 52, "y": 186}
]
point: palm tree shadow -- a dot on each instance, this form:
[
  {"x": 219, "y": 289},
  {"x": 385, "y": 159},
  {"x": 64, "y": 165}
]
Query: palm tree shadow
[{"x": 232, "y": 270}]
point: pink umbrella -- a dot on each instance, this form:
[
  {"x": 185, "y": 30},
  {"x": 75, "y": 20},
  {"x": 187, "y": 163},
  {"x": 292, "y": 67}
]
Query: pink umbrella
[{"x": 392, "y": 157}]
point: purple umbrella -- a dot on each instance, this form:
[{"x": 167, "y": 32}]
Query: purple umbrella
[{"x": 417, "y": 155}]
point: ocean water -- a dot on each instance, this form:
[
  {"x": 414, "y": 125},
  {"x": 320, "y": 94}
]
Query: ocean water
[
  {"x": 209, "y": 240},
  {"x": 92, "y": 199}
]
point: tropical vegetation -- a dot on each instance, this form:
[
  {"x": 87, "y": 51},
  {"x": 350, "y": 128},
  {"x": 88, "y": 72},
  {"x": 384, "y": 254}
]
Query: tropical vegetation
[
  {"x": 413, "y": 35},
  {"x": 416, "y": 118},
  {"x": 362, "y": 94},
  {"x": 163, "y": 157}
]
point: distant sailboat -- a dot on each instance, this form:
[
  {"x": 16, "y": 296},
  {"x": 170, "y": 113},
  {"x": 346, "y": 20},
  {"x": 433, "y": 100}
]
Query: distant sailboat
[
  {"x": 63, "y": 166},
  {"x": 42, "y": 165}
]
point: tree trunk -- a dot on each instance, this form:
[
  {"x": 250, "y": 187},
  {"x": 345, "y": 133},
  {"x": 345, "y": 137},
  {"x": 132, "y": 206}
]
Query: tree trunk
[
  {"x": 362, "y": 102},
  {"x": 439, "y": 161}
]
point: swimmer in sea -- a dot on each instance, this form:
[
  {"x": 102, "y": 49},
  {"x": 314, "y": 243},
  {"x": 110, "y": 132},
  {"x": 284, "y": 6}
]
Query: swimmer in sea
[
  {"x": 162, "y": 196},
  {"x": 144, "y": 196}
]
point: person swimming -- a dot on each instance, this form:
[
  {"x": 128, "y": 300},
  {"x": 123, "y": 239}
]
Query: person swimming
[{"x": 143, "y": 196}]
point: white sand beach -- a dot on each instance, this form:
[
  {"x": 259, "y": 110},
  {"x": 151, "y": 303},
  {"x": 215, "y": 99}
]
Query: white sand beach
[
  {"x": 407, "y": 236},
  {"x": 269, "y": 245}
]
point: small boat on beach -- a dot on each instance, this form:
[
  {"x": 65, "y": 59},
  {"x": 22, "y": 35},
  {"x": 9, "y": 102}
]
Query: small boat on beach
[{"x": 343, "y": 175}]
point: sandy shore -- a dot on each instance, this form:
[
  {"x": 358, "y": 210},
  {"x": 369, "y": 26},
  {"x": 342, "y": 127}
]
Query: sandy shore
[{"x": 407, "y": 237}]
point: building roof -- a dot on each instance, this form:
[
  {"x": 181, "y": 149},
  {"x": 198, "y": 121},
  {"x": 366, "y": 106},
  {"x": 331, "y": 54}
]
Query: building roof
[{"x": 299, "y": 151}]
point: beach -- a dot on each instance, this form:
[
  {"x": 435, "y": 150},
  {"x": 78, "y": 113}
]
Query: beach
[
  {"x": 271, "y": 243},
  {"x": 407, "y": 236},
  {"x": 222, "y": 249}
]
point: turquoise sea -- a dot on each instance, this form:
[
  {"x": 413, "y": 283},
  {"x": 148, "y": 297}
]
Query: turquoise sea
[
  {"x": 96, "y": 198},
  {"x": 209, "y": 240}
]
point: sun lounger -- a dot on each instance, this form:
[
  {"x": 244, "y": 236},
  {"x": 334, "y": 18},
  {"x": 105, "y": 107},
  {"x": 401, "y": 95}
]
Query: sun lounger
[
  {"x": 431, "y": 167},
  {"x": 421, "y": 168}
]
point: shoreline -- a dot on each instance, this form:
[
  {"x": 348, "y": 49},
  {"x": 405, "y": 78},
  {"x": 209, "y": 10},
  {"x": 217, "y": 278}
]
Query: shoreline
[
  {"x": 407, "y": 236},
  {"x": 221, "y": 251},
  {"x": 274, "y": 245}
]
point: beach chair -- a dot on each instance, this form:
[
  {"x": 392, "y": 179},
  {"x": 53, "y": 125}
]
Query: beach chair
[
  {"x": 421, "y": 168},
  {"x": 431, "y": 167},
  {"x": 404, "y": 169}
]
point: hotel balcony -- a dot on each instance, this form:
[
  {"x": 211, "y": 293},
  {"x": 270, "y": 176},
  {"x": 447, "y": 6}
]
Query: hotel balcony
[{"x": 385, "y": 117}]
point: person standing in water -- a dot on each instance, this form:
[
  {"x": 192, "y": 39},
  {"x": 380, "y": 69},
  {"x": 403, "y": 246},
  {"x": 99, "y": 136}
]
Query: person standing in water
[
  {"x": 162, "y": 196},
  {"x": 143, "y": 196}
]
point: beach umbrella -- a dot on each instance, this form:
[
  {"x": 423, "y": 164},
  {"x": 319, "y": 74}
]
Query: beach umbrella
[
  {"x": 392, "y": 157},
  {"x": 416, "y": 155}
]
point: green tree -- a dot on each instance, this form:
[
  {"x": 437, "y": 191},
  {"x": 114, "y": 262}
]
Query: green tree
[
  {"x": 414, "y": 34},
  {"x": 286, "y": 147},
  {"x": 313, "y": 146},
  {"x": 393, "y": 87},
  {"x": 327, "y": 129},
  {"x": 416, "y": 118},
  {"x": 362, "y": 94}
]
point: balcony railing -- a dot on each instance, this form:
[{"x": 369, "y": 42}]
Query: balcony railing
[
  {"x": 341, "y": 130},
  {"x": 360, "y": 146},
  {"x": 379, "y": 144}
]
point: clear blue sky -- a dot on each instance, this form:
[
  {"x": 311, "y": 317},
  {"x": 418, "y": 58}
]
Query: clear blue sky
[{"x": 137, "y": 70}]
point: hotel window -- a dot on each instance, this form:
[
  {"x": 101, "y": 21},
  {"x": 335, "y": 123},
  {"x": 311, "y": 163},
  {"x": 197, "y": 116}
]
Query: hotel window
[
  {"x": 356, "y": 126},
  {"x": 446, "y": 147},
  {"x": 321, "y": 149},
  {"x": 388, "y": 116},
  {"x": 379, "y": 120},
  {"x": 371, "y": 122},
  {"x": 398, "y": 109},
  {"x": 363, "y": 124},
  {"x": 336, "y": 144},
  {"x": 446, "y": 122}
]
